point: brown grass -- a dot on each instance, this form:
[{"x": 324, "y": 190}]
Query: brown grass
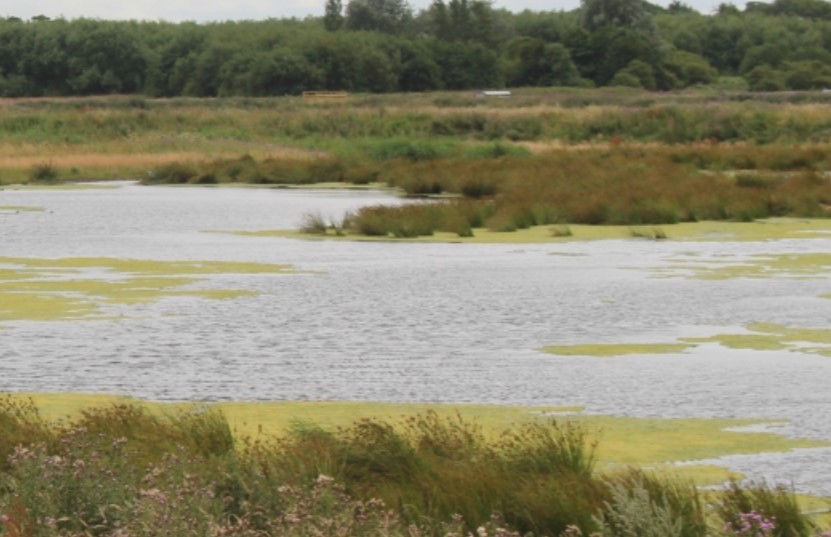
[{"x": 108, "y": 159}]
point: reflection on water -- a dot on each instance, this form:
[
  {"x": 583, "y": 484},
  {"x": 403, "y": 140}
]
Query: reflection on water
[{"x": 413, "y": 322}]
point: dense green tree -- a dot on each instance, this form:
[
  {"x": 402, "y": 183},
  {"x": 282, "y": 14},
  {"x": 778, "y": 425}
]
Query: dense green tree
[
  {"x": 453, "y": 44},
  {"x": 765, "y": 78},
  {"x": 810, "y": 9},
  {"x": 463, "y": 20},
  {"x": 612, "y": 49},
  {"x": 104, "y": 58},
  {"x": 467, "y": 65},
  {"x": 333, "y": 16},
  {"x": 533, "y": 62},
  {"x": 689, "y": 68},
  {"x": 723, "y": 44},
  {"x": 637, "y": 74},
  {"x": 807, "y": 75},
  {"x": 419, "y": 70},
  {"x": 386, "y": 16},
  {"x": 598, "y": 14}
]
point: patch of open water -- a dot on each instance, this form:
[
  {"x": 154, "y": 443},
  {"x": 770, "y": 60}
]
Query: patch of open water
[{"x": 415, "y": 322}]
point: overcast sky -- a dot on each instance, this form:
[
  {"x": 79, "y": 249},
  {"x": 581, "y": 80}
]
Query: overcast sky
[{"x": 220, "y": 10}]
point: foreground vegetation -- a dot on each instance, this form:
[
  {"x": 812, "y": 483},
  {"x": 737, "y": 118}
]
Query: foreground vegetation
[{"x": 120, "y": 470}]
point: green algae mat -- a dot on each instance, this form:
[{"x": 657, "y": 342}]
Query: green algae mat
[
  {"x": 755, "y": 336},
  {"x": 34, "y": 289}
]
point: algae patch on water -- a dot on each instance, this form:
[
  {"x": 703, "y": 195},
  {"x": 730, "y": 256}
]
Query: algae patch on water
[
  {"x": 756, "y": 337},
  {"x": 766, "y": 336},
  {"x": 16, "y": 209},
  {"x": 35, "y": 289},
  {"x": 793, "y": 266}
]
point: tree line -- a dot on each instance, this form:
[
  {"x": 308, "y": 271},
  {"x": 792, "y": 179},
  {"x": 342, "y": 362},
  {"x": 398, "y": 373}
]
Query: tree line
[{"x": 385, "y": 46}]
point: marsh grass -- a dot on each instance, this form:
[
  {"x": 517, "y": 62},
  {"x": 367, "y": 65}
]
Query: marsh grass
[
  {"x": 413, "y": 128},
  {"x": 561, "y": 231},
  {"x": 653, "y": 233},
  {"x": 629, "y": 186},
  {"x": 43, "y": 172},
  {"x": 410, "y": 220},
  {"x": 21, "y": 423},
  {"x": 778, "y": 504},
  {"x": 120, "y": 470}
]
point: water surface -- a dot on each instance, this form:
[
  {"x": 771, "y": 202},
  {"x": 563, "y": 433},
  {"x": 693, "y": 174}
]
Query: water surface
[{"x": 415, "y": 322}]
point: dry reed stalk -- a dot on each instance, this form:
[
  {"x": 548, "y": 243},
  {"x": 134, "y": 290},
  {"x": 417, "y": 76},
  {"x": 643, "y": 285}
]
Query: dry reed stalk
[{"x": 98, "y": 160}]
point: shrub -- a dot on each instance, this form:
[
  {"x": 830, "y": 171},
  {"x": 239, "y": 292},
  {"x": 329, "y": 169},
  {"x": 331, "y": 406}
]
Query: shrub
[
  {"x": 313, "y": 223},
  {"x": 632, "y": 512},
  {"x": 173, "y": 173},
  {"x": 45, "y": 172}
]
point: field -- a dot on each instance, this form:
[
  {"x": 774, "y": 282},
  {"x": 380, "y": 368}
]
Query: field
[{"x": 538, "y": 167}]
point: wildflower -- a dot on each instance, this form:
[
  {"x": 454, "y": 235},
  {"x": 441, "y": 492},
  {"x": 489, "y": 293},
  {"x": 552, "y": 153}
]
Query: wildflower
[
  {"x": 5, "y": 519},
  {"x": 752, "y": 524}
]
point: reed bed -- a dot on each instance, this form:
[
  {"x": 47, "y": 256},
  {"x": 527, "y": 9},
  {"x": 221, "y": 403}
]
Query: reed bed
[
  {"x": 628, "y": 158},
  {"x": 119, "y": 470}
]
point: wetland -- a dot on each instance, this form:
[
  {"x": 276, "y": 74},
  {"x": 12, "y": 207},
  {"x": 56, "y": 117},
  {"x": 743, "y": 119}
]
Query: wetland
[
  {"x": 357, "y": 284},
  {"x": 168, "y": 294}
]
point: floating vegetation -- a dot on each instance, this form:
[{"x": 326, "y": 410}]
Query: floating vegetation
[
  {"x": 15, "y": 209},
  {"x": 766, "y": 336},
  {"x": 759, "y": 337},
  {"x": 801, "y": 266},
  {"x": 77, "y": 288}
]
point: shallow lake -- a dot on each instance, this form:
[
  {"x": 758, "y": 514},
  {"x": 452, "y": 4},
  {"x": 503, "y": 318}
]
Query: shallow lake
[{"x": 416, "y": 322}]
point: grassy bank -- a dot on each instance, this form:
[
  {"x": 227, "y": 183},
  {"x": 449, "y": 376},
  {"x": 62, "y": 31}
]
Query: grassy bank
[
  {"x": 123, "y": 470},
  {"x": 624, "y": 186},
  {"x": 88, "y": 136},
  {"x": 539, "y": 158}
]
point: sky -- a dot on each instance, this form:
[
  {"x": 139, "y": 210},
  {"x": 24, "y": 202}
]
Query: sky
[{"x": 221, "y": 10}]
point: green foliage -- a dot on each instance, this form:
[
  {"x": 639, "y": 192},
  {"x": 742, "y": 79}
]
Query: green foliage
[
  {"x": 386, "y": 16},
  {"x": 333, "y": 18},
  {"x": 597, "y": 14},
  {"x": 383, "y": 46},
  {"x": 636, "y": 74},
  {"x": 631, "y": 512},
  {"x": 463, "y": 21},
  {"x": 690, "y": 69},
  {"x": 537, "y": 63}
]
